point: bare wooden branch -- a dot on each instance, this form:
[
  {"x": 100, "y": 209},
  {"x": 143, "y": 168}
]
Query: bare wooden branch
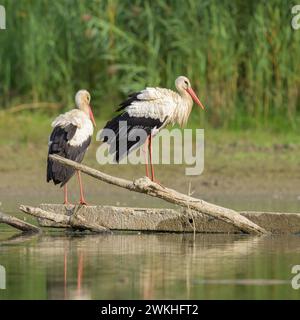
[
  {"x": 39, "y": 213},
  {"x": 31, "y": 106},
  {"x": 18, "y": 224},
  {"x": 146, "y": 186},
  {"x": 75, "y": 221}
]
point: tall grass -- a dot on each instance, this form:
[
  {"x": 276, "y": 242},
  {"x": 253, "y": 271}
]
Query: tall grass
[{"x": 242, "y": 56}]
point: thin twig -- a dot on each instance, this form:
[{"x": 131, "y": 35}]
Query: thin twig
[{"x": 189, "y": 210}]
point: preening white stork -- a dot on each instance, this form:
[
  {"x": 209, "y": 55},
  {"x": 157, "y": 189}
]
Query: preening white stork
[
  {"x": 70, "y": 138},
  {"x": 150, "y": 109}
]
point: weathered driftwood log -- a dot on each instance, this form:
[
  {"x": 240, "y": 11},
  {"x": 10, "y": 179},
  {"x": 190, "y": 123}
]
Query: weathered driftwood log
[
  {"x": 18, "y": 224},
  {"x": 75, "y": 221},
  {"x": 170, "y": 220},
  {"x": 146, "y": 186}
]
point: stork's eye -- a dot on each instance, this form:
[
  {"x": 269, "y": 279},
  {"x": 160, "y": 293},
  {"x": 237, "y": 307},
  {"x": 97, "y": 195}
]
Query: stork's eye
[{"x": 186, "y": 82}]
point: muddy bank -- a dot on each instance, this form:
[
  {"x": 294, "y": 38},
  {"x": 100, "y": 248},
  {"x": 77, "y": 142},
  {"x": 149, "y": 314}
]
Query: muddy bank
[{"x": 241, "y": 176}]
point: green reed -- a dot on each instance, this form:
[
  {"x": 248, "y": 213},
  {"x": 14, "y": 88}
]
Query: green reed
[{"x": 242, "y": 56}]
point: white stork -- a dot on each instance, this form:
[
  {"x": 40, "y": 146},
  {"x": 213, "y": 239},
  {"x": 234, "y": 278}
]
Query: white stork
[
  {"x": 70, "y": 138},
  {"x": 150, "y": 109}
]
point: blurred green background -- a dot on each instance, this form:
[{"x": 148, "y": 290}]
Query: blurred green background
[{"x": 242, "y": 57}]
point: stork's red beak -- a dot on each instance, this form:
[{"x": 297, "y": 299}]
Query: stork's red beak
[
  {"x": 194, "y": 97},
  {"x": 92, "y": 116}
]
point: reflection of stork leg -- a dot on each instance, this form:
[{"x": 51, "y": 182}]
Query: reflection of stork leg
[
  {"x": 146, "y": 156},
  {"x": 65, "y": 274},
  {"x": 79, "y": 274}
]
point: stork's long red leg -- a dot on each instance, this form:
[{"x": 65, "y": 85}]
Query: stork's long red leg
[
  {"x": 146, "y": 156},
  {"x": 66, "y": 202},
  {"x": 82, "y": 200},
  {"x": 151, "y": 164}
]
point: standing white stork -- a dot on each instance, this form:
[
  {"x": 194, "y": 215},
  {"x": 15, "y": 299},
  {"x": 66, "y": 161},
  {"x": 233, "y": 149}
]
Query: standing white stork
[
  {"x": 150, "y": 109},
  {"x": 70, "y": 138}
]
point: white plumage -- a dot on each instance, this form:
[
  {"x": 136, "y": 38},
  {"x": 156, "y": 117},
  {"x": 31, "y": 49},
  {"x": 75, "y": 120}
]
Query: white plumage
[
  {"x": 164, "y": 104},
  {"x": 155, "y": 103},
  {"x": 151, "y": 110},
  {"x": 70, "y": 138},
  {"x": 79, "y": 119}
]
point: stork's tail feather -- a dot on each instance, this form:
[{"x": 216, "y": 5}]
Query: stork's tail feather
[{"x": 58, "y": 173}]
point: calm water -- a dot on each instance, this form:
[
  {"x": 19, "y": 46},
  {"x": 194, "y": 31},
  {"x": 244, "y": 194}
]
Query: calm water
[
  {"x": 152, "y": 266},
  {"x": 149, "y": 266}
]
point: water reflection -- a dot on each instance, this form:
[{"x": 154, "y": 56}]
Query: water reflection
[{"x": 149, "y": 266}]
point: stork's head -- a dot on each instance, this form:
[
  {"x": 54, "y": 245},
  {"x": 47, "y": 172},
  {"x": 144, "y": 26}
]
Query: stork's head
[
  {"x": 82, "y": 101},
  {"x": 183, "y": 85}
]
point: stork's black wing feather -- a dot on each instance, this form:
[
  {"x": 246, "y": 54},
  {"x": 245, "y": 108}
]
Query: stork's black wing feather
[
  {"x": 131, "y": 98},
  {"x": 59, "y": 144},
  {"x": 122, "y": 134}
]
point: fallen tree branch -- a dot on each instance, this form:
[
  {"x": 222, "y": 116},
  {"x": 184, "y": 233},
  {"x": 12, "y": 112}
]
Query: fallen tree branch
[
  {"x": 39, "y": 213},
  {"x": 146, "y": 186},
  {"x": 75, "y": 221},
  {"x": 170, "y": 220},
  {"x": 31, "y": 106},
  {"x": 18, "y": 224}
]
